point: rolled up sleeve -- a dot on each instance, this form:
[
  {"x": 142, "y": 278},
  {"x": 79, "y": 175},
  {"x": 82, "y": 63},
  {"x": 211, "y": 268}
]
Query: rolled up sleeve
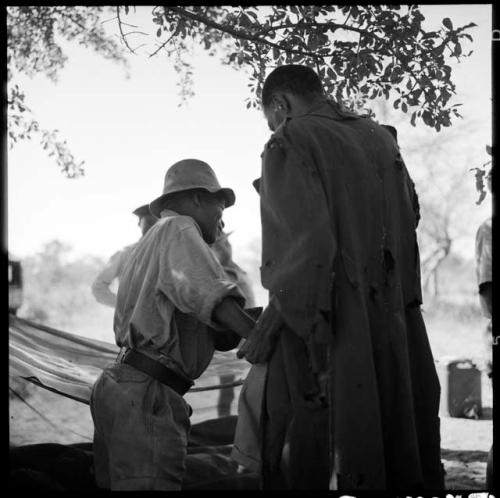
[{"x": 191, "y": 277}]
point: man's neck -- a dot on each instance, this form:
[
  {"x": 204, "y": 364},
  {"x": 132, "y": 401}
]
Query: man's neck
[{"x": 301, "y": 107}]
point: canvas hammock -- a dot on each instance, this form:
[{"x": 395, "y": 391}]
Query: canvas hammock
[{"x": 69, "y": 364}]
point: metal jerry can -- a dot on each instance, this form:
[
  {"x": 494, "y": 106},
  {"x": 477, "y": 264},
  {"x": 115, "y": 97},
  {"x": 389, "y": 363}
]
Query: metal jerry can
[{"x": 460, "y": 389}]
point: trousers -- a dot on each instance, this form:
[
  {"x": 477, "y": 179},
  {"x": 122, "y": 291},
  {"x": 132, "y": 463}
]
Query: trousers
[{"x": 141, "y": 430}]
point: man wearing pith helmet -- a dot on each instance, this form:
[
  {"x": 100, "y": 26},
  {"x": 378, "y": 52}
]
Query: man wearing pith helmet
[
  {"x": 175, "y": 306},
  {"x": 343, "y": 330}
]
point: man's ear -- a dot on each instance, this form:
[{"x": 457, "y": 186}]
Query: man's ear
[
  {"x": 196, "y": 199},
  {"x": 281, "y": 102}
]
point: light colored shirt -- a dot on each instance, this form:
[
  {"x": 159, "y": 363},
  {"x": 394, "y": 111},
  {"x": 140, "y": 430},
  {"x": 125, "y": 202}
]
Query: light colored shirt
[
  {"x": 241, "y": 279},
  {"x": 112, "y": 271},
  {"x": 169, "y": 288},
  {"x": 483, "y": 259}
]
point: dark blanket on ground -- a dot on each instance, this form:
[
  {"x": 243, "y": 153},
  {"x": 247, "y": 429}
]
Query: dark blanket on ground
[{"x": 69, "y": 467}]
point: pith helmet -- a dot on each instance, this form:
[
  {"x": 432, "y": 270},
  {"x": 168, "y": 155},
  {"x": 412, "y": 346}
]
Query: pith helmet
[{"x": 189, "y": 174}]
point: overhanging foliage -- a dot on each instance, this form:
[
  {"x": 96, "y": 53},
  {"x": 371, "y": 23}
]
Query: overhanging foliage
[{"x": 361, "y": 52}]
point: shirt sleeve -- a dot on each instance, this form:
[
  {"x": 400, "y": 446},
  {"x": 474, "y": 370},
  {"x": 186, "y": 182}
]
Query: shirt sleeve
[
  {"x": 483, "y": 254},
  {"x": 101, "y": 285},
  {"x": 190, "y": 275}
]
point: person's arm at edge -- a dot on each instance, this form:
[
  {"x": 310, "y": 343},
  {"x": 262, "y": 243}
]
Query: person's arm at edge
[
  {"x": 101, "y": 284},
  {"x": 101, "y": 291},
  {"x": 485, "y": 290}
]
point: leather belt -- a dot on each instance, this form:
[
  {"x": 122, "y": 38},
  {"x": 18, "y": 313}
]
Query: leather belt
[{"x": 157, "y": 371}]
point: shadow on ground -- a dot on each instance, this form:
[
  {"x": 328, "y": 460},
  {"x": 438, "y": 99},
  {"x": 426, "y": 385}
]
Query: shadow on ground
[
  {"x": 464, "y": 456},
  {"x": 464, "y": 469},
  {"x": 487, "y": 413}
]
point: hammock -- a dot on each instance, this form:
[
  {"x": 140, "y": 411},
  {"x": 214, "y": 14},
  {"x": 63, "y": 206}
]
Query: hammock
[{"x": 69, "y": 364}]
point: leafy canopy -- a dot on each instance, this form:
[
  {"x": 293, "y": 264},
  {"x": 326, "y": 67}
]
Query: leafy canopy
[{"x": 360, "y": 52}]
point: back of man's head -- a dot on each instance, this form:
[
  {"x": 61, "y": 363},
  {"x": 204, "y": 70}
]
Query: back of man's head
[
  {"x": 146, "y": 222},
  {"x": 301, "y": 81}
]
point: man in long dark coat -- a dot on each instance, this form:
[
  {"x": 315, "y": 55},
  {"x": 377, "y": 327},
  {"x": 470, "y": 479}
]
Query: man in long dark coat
[{"x": 352, "y": 394}]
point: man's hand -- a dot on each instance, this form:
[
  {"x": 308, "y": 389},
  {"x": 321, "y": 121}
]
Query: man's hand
[{"x": 260, "y": 343}]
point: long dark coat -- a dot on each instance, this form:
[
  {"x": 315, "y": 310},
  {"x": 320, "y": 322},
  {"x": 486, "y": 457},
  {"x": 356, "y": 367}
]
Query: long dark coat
[{"x": 352, "y": 394}]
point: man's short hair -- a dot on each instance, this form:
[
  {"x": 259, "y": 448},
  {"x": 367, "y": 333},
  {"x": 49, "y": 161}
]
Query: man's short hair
[{"x": 298, "y": 80}]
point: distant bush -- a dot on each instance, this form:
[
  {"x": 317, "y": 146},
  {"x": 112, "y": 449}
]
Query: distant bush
[
  {"x": 458, "y": 294},
  {"x": 56, "y": 287},
  {"x": 462, "y": 311}
]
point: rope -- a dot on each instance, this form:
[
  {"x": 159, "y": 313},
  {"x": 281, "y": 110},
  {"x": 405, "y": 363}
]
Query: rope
[
  {"x": 217, "y": 386},
  {"x": 41, "y": 415},
  {"x": 35, "y": 381}
]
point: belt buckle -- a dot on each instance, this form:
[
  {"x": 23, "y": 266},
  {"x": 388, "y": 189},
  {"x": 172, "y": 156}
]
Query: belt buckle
[
  {"x": 163, "y": 359},
  {"x": 121, "y": 354}
]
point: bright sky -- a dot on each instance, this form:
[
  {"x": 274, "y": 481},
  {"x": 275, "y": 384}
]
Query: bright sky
[{"x": 129, "y": 131}]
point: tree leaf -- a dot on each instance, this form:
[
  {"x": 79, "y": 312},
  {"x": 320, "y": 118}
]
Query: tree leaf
[
  {"x": 481, "y": 197},
  {"x": 412, "y": 120},
  {"x": 447, "y": 23}
]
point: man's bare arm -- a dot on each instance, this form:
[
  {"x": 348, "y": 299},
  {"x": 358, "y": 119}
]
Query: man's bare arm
[{"x": 229, "y": 314}]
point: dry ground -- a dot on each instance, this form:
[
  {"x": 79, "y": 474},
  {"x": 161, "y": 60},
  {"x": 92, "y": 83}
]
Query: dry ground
[{"x": 465, "y": 442}]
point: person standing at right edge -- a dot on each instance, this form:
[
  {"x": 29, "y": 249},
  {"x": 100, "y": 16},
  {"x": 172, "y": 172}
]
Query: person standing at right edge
[
  {"x": 484, "y": 276},
  {"x": 352, "y": 395}
]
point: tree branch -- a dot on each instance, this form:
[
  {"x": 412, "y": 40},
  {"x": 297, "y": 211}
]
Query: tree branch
[
  {"x": 121, "y": 30},
  {"x": 164, "y": 44},
  {"x": 136, "y": 33},
  {"x": 107, "y": 20},
  {"x": 237, "y": 33},
  {"x": 129, "y": 25}
]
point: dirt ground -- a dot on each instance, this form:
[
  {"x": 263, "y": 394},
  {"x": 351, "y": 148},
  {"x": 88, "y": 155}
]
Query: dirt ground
[{"x": 53, "y": 418}]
